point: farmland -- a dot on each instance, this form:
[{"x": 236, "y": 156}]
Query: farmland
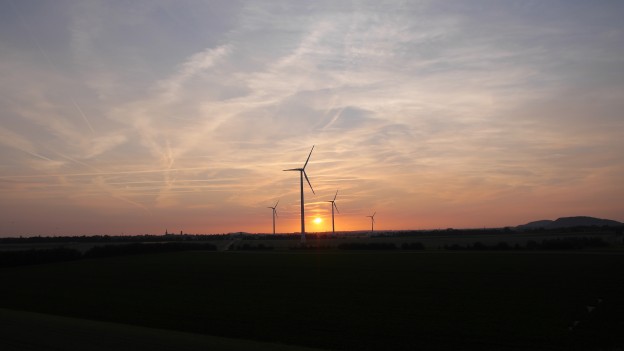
[{"x": 343, "y": 300}]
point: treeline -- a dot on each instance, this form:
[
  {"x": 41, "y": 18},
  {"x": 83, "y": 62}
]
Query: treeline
[
  {"x": 310, "y": 247},
  {"x": 367, "y": 246},
  {"x": 502, "y": 231},
  {"x": 572, "y": 243},
  {"x": 577, "y": 229},
  {"x": 141, "y": 248},
  {"x": 548, "y": 244},
  {"x": 248, "y": 247},
  {"x": 113, "y": 238},
  {"x": 380, "y": 246},
  {"x": 360, "y": 246},
  {"x": 62, "y": 254}
]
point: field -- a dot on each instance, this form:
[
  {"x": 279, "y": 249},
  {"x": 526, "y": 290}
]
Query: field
[{"x": 429, "y": 300}]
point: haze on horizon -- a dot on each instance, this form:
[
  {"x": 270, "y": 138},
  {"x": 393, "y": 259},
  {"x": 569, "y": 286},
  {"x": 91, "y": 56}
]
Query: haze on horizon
[{"x": 136, "y": 117}]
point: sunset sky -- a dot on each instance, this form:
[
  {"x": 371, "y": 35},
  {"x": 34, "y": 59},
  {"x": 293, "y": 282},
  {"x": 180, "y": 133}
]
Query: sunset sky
[{"x": 135, "y": 117}]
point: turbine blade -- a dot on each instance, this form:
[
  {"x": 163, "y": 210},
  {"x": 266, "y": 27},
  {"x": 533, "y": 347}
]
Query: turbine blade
[
  {"x": 306, "y": 177},
  {"x": 335, "y": 206},
  {"x": 292, "y": 169},
  {"x": 335, "y": 195},
  {"x": 275, "y": 211},
  {"x": 276, "y": 204},
  {"x": 374, "y": 214},
  {"x": 306, "y": 163}
]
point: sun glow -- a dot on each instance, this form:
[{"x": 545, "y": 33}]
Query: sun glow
[{"x": 318, "y": 220}]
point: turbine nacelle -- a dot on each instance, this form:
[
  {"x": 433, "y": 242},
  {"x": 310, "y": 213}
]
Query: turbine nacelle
[
  {"x": 333, "y": 202},
  {"x": 274, "y": 208},
  {"x": 302, "y": 170},
  {"x": 373, "y": 216},
  {"x": 334, "y": 205}
]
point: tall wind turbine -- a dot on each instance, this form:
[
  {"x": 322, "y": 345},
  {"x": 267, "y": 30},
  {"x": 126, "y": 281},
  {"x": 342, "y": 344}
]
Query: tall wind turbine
[
  {"x": 333, "y": 205},
  {"x": 302, "y": 174},
  {"x": 372, "y": 221},
  {"x": 274, "y": 215}
]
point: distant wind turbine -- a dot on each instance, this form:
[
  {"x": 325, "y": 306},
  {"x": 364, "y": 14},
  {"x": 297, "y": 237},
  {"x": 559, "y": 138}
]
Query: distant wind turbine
[
  {"x": 302, "y": 174},
  {"x": 333, "y": 205},
  {"x": 274, "y": 215},
  {"x": 372, "y": 221}
]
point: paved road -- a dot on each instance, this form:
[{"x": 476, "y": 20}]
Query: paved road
[{"x": 28, "y": 331}]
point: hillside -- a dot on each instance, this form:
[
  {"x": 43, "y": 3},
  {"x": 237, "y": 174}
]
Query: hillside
[{"x": 568, "y": 222}]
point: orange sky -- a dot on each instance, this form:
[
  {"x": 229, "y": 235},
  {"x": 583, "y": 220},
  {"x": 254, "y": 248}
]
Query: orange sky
[{"x": 143, "y": 117}]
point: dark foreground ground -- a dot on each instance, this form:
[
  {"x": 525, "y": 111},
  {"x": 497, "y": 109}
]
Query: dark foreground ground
[
  {"x": 23, "y": 331},
  {"x": 421, "y": 300}
]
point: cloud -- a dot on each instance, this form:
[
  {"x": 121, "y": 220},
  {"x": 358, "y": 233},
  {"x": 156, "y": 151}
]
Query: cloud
[
  {"x": 100, "y": 145},
  {"x": 419, "y": 107},
  {"x": 193, "y": 66},
  {"x": 16, "y": 141}
]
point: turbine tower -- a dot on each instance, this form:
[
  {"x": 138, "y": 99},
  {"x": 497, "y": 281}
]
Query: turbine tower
[
  {"x": 274, "y": 215},
  {"x": 302, "y": 174},
  {"x": 333, "y": 205},
  {"x": 372, "y": 221}
]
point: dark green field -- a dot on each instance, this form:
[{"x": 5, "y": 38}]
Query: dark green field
[{"x": 337, "y": 300}]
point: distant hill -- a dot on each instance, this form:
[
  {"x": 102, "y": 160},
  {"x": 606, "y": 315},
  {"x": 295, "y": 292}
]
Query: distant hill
[{"x": 567, "y": 222}]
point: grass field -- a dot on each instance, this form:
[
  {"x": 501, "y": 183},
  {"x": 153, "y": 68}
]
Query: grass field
[
  {"x": 337, "y": 300},
  {"x": 29, "y": 331}
]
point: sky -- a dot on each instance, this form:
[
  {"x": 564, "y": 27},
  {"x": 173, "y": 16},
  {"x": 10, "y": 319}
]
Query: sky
[{"x": 136, "y": 117}]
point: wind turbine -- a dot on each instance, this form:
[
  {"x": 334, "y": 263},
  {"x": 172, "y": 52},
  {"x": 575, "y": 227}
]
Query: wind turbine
[
  {"x": 372, "y": 221},
  {"x": 333, "y": 205},
  {"x": 302, "y": 174},
  {"x": 274, "y": 215}
]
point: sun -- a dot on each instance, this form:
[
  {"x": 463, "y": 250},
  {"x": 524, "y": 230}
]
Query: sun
[{"x": 318, "y": 220}]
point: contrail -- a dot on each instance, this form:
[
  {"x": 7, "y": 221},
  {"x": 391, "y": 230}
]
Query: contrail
[
  {"x": 32, "y": 35},
  {"x": 38, "y": 156},
  {"x": 99, "y": 173},
  {"x": 334, "y": 119},
  {"x": 133, "y": 203},
  {"x": 76, "y": 161},
  {"x": 83, "y": 115},
  {"x": 45, "y": 56}
]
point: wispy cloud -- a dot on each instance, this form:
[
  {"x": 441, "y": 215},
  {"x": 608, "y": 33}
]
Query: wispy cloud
[{"x": 436, "y": 112}]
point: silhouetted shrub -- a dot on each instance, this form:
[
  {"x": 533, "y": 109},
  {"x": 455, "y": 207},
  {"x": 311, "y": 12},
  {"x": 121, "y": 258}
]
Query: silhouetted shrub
[
  {"x": 412, "y": 246},
  {"x": 259, "y": 247},
  {"x": 572, "y": 243},
  {"x": 367, "y": 246},
  {"x": 532, "y": 245},
  {"x": 502, "y": 246},
  {"x": 306, "y": 247},
  {"x": 479, "y": 246}
]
